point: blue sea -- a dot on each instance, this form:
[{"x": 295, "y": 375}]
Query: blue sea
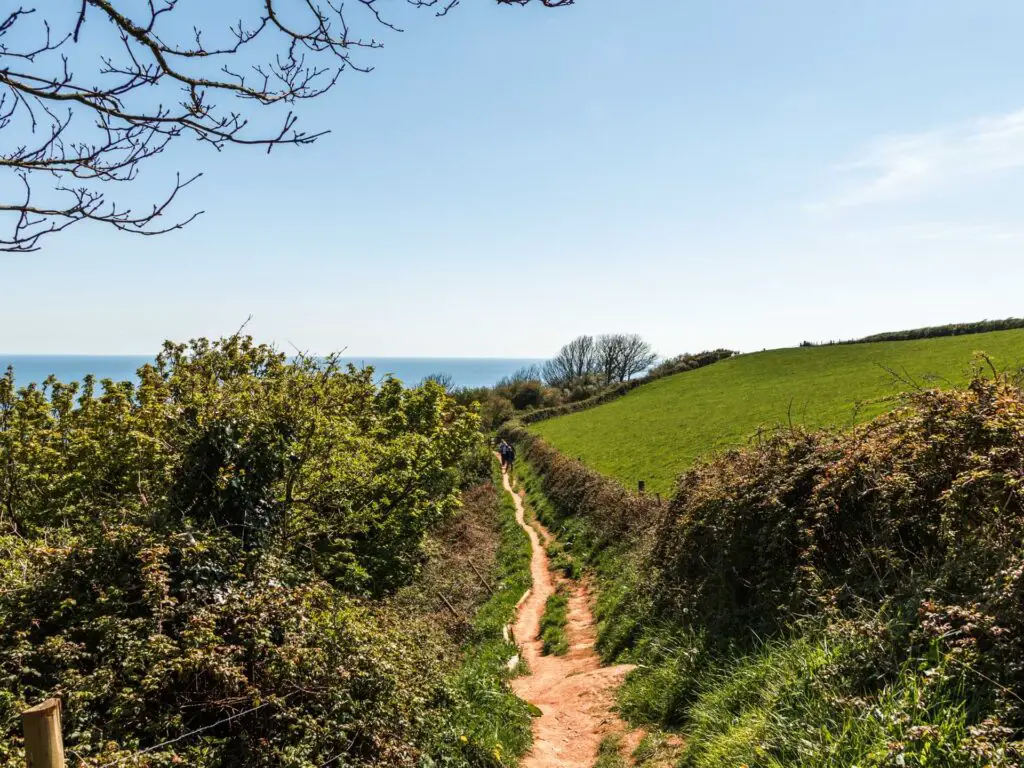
[{"x": 465, "y": 371}]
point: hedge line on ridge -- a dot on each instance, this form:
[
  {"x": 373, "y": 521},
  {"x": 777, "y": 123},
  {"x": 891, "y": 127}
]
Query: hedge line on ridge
[
  {"x": 576, "y": 489},
  {"x": 674, "y": 365},
  {"x": 935, "y": 331}
]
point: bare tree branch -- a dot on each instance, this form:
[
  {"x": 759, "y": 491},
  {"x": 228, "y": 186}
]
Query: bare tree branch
[
  {"x": 619, "y": 356},
  {"x": 574, "y": 361},
  {"x": 76, "y": 134}
]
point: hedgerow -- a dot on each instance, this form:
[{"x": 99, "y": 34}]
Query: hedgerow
[
  {"x": 936, "y": 331},
  {"x": 577, "y": 492}
]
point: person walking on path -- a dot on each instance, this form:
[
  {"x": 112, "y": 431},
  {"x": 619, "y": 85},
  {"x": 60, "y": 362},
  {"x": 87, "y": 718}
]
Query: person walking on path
[{"x": 508, "y": 455}]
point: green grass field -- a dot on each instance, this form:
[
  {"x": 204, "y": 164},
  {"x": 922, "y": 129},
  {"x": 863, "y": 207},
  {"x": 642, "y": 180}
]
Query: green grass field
[{"x": 658, "y": 430}]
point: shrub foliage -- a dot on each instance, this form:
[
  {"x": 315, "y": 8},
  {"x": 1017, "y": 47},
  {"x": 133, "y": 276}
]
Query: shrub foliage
[
  {"x": 205, "y": 549},
  {"x": 924, "y": 501}
]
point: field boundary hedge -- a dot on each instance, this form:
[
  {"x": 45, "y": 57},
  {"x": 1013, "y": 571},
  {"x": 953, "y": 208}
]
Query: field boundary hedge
[
  {"x": 670, "y": 367},
  {"x": 936, "y": 331},
  {"x": 576, "y": 489}
]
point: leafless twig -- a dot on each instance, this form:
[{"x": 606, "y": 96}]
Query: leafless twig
[{"x": 85, "y": 124}]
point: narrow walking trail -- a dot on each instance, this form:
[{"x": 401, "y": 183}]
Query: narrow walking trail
[{"x": 574, "y": 692}]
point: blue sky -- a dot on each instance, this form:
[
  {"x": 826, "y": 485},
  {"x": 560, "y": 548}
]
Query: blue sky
[{"x": 703, "y": 173}]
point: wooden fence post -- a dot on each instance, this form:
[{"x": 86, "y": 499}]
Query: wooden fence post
[{"x": 44, "y": 745}]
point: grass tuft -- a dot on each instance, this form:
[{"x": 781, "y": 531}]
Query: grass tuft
[
  {"x": 554, "y": 621},
  {"x": 609, "y": 753}
]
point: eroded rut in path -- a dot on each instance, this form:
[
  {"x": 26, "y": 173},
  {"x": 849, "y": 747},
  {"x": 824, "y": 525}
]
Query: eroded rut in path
[{"x": 574, "y": 692}]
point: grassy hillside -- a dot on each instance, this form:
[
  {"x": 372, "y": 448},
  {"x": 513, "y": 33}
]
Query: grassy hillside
[{"x": 658, "y": 430}]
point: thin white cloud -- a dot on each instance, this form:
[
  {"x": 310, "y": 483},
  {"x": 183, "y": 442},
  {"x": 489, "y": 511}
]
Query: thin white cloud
[
  {"x": 909, "y": 167},
  {"x": 929, "y": 231}
]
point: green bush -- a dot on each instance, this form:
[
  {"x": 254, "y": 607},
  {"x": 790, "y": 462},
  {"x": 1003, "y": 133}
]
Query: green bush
[
  {"x": 521, "y": 391},
  {"x": 608, "y": 752},
  {"x": 212, "y": 543},
  {"x": 559, "y": 559},
  {"x": 923, "y": 504}
]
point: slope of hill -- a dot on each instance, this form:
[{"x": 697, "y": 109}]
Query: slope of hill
[{"x": 658, "y": 430}]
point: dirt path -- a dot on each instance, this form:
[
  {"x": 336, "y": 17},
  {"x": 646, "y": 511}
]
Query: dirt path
[{"x": 574, "y": 692}]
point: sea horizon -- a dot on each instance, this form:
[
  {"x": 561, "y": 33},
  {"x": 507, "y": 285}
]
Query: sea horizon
[{"x": 464, "y": 371}]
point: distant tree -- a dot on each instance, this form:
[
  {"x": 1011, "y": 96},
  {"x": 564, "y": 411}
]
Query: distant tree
[
  {"x": 528, "y": 394},
  {"x": 444, "y": 379},
  {"x": 606, "y": 353},
  {"x": 496, "y": 410},
  {"x": 636, "y": 357},
  {"x": 524, "y": 388},
  {"x": 77, "y": 123},
  {"x": 574, "y": 361},
  {"x": 524, "y": 374},
  {"x": 619, "y": 356}
]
